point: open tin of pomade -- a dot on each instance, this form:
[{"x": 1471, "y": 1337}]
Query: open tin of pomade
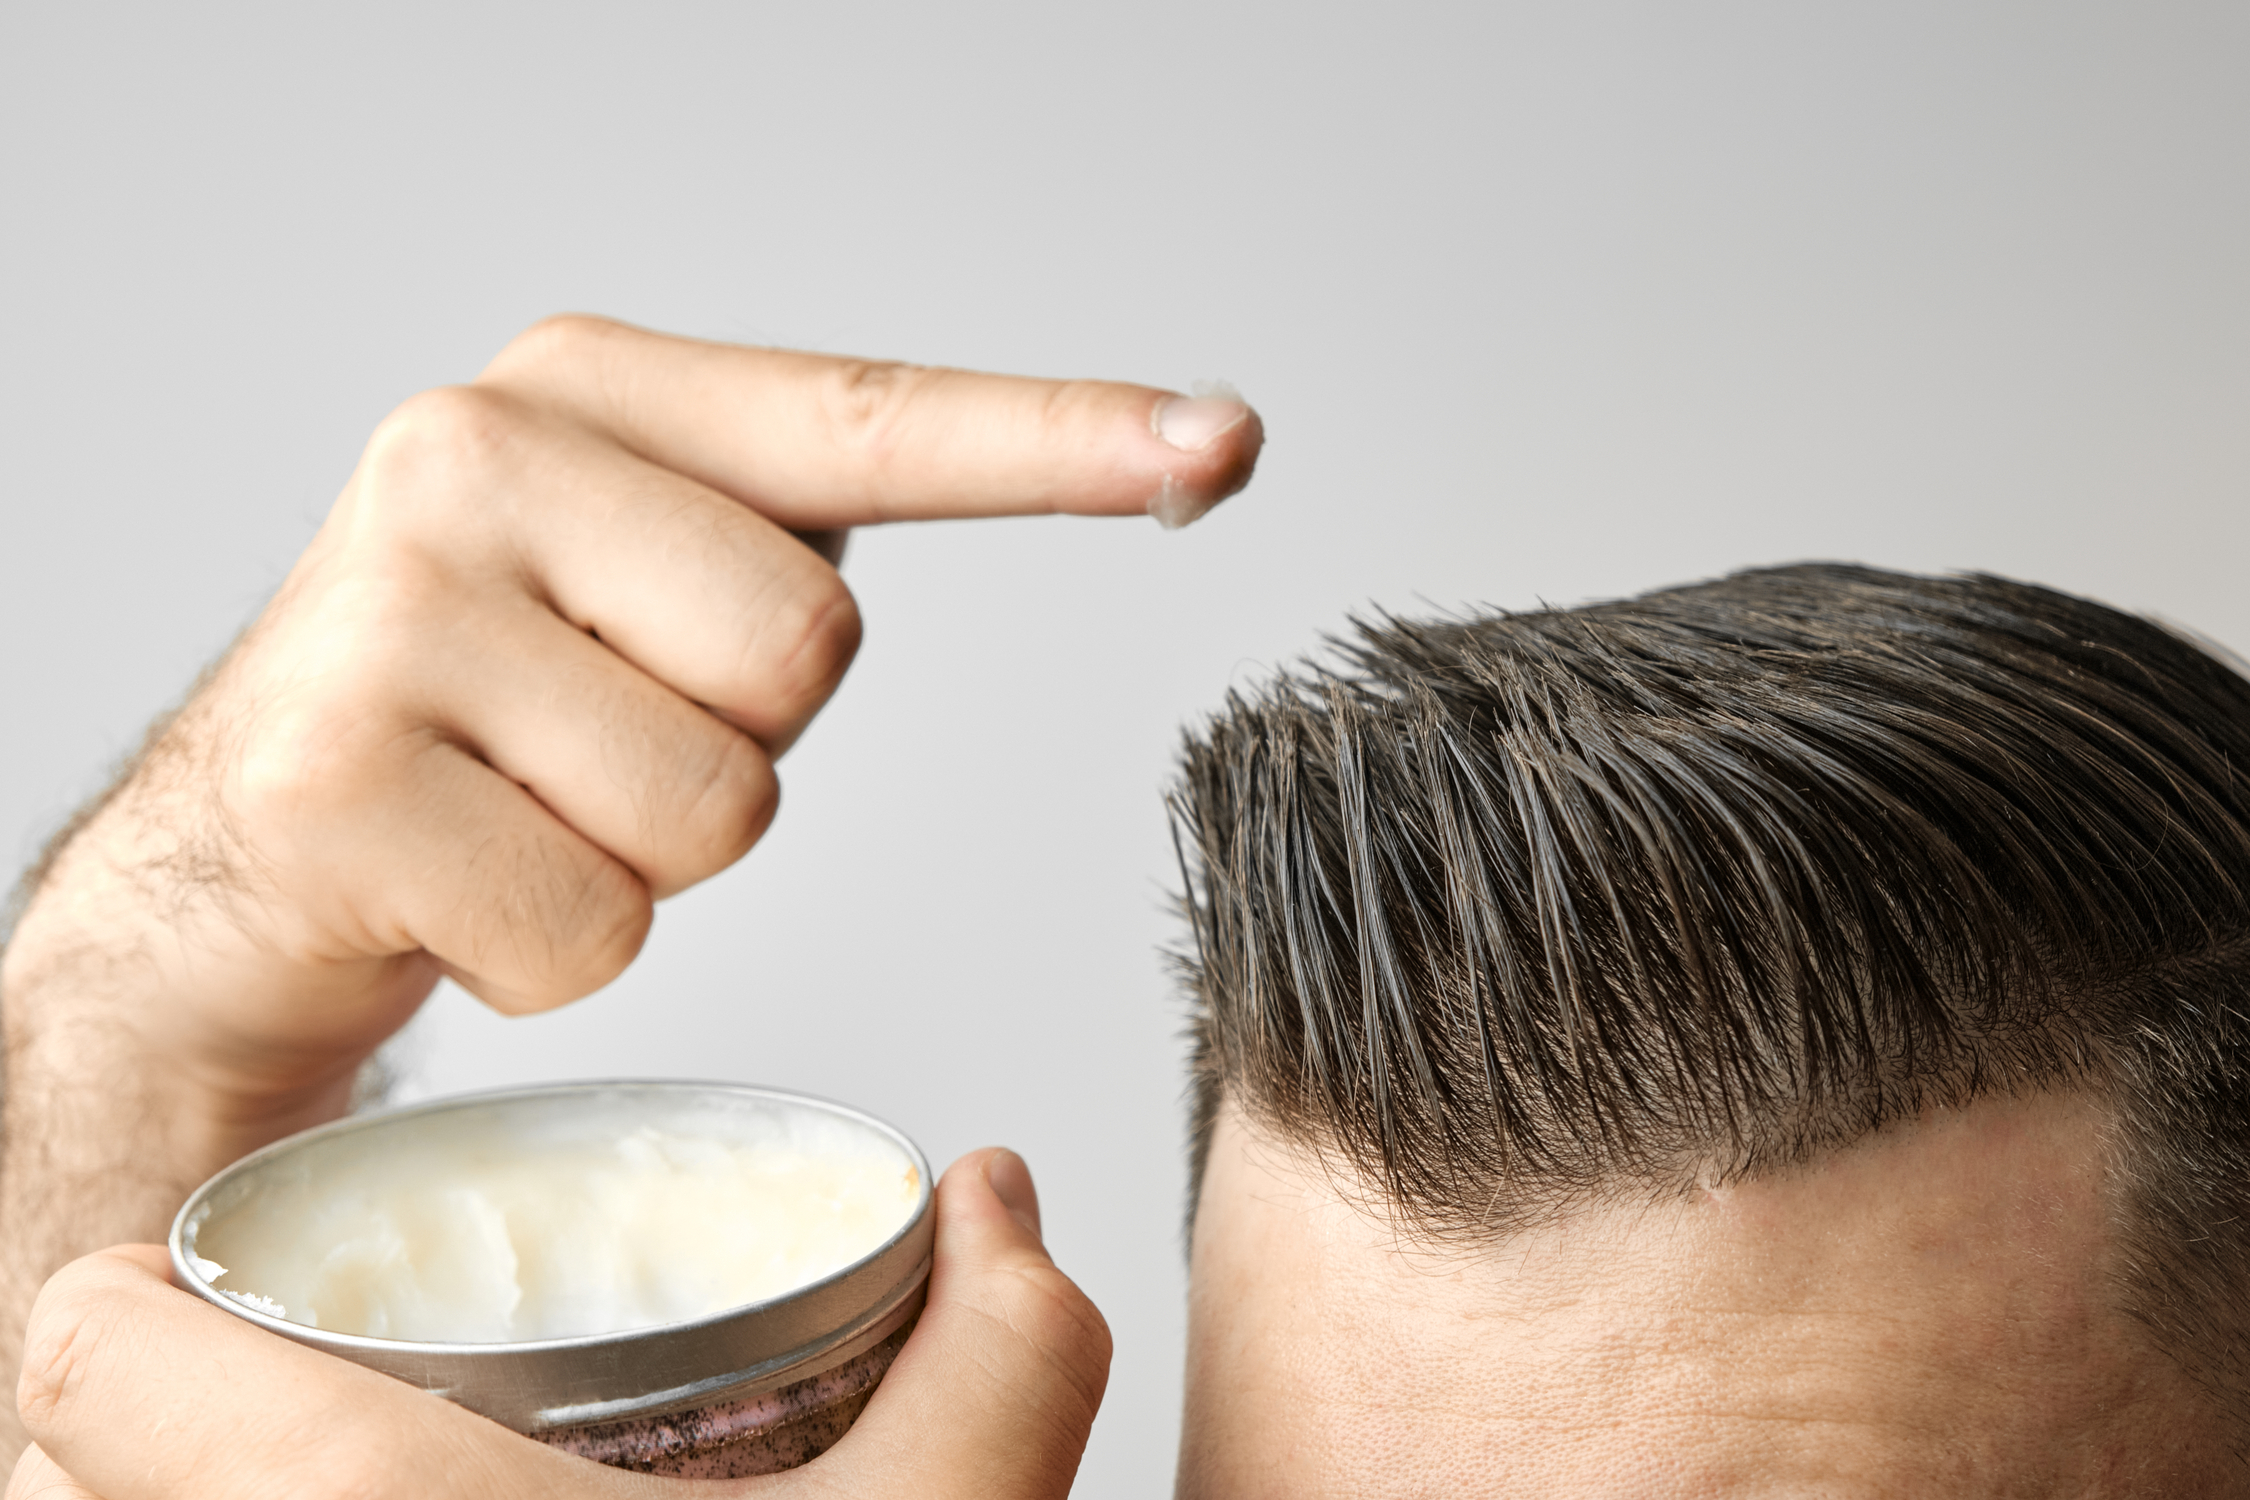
[{"x": 487, "y": 1248}]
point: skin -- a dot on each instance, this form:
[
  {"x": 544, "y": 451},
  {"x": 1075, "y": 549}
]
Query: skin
[
  {"x": 531, "y": 676},
  {"x": 1926, "y": 1313},
  {"x": 534, "y": 674}
]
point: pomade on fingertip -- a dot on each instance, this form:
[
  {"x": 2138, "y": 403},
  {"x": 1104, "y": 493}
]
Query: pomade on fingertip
[
  {"x": 1191, "y": 424},
  {"x": 1172, "y": 507}
]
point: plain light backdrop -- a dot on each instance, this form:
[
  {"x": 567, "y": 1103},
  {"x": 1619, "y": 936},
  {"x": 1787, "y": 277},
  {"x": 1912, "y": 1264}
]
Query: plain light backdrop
[{"x": 1539, "y": 302}]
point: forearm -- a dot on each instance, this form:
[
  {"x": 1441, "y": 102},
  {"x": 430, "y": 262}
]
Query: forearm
[{"x": 106, "y": 1123}]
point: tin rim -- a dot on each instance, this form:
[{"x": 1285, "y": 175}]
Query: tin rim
[{"x": 536, "y": 1384}]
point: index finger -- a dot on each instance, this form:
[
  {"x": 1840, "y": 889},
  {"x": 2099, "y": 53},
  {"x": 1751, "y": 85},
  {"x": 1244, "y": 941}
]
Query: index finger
[{"x": 816, "y": 442}]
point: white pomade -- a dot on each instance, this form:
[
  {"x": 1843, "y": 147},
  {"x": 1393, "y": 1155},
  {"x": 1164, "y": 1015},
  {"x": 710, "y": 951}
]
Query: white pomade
[{"x": 496, "y": 1238}]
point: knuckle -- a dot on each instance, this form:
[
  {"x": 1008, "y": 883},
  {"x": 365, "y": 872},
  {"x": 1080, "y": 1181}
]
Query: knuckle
[
  {"x": 68, "y": 1326},
  {"x": 562, "y": 361},
  {"x": 312, "y": 762},
  {"x": 866, "y": 402},
  {"x": 1048, "y": 1311},
  {"x": 287, "y": 771},
  {"x": 548, "y": 924},
  {"x": 733, "y": 804},
  {"x": 558, "y": 339},
  {"x": 587, "y": 929},
  {"x": 615, "y": 935},
  {"x": 810, "y": 642},
  {"x": 443, "y": 443},
  {"x": 1064, "y": 1314},
  {"x": 385, "y": 619}
]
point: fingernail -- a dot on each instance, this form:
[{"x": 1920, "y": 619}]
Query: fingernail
[
  {"x": 1193, "y": 423},
  {"x": 1011, "y": 1184}
]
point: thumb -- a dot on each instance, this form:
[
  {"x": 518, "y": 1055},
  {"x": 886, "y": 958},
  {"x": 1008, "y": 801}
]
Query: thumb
[{"x": 995, "y": 1392}]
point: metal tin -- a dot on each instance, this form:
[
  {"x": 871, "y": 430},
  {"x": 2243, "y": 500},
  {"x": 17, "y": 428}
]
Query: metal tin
[{"x": 749, "y": 1390}]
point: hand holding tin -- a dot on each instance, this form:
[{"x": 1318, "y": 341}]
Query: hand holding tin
[{"x": 991, "y": 1400}]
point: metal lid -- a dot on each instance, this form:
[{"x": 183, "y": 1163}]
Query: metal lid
[{"x": 535, "y": 1386}]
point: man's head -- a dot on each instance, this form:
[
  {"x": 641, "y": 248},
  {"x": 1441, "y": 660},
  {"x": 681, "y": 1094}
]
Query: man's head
[{"x": 1801, "y": 1020}]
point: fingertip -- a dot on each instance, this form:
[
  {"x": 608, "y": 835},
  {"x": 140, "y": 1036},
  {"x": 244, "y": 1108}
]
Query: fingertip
[
  {"x": 1221, "y": 437},
  {"x": 987, "y": 1197},
  {"x": 153, "y": 1260},
  {"x": 110, "y": 1269},
  {"x": 1009, "y": 1176},
  {"x": 1239, "y": 455}
]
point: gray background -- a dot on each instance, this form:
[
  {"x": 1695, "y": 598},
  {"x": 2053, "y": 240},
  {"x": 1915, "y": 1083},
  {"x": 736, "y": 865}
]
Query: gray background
[{"x": 1539, "y": 302}]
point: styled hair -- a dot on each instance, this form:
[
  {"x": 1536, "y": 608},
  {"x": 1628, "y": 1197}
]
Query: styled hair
[{"x": 1510, "y": 912}]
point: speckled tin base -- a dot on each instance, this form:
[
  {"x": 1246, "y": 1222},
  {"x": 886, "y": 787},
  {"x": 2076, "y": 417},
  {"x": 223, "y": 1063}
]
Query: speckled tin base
[{"x": 761, "y": 1434}]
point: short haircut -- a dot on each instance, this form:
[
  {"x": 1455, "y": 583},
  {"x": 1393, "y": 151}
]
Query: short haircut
[{"x": 1514, "y": 911}]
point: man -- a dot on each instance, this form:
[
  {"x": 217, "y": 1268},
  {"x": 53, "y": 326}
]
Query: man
[
  {"x": 1781, "y": 1037},
  {"x": 1789, "y": 1035}
]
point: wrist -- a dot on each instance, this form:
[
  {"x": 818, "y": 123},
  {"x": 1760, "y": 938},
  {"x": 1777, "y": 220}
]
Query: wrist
[
  {"x": 90, "y": 1091},
  {"x": 111, "y": 1051},
  {"x": 145, "y": 962}
]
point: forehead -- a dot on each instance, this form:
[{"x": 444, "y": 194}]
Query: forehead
[
  {"x": 1327, "y": 1353},
  {"x": 1271, "y": 1322},
  {"x": 1831, "y": 1331}
]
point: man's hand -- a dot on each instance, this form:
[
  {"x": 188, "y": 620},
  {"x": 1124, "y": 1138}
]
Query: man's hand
[
  {"x": 136, "y": 1391},
  {"x": 531, "y": 676}
]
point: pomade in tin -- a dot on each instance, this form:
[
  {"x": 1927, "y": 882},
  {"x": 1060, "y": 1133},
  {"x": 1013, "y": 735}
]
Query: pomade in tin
[{"x": 700, "y": 1279}]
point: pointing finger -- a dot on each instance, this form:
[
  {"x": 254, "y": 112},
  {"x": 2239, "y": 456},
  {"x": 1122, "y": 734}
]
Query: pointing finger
[{"x": 816, "y": 442}]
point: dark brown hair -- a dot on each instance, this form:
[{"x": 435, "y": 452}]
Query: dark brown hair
[{"x": 1511, "y": 910}]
